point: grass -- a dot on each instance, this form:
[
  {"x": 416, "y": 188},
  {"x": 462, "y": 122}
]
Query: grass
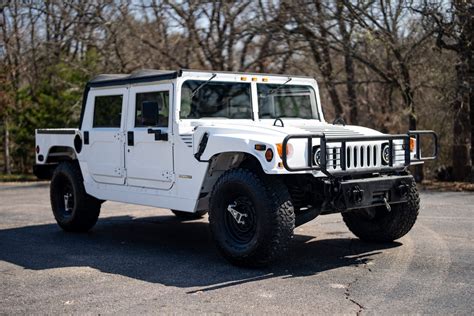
[{"x": 17, "y": 177}]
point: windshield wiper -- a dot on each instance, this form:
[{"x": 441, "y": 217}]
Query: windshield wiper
[
  {"x": 272, "y": 91},
  {"x": 193, "y": 93}
]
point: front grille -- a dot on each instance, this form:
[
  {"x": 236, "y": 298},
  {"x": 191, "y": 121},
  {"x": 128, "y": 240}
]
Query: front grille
[
  {"x": 363, "y": 156},
  {"x": 360, "y": 156}
]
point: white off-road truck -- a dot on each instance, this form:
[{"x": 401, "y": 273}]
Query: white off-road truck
[{"x": 253, "y": 150}]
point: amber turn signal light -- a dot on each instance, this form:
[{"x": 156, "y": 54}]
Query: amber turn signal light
[
  {"x": 412, "y": 144},
  {"x": 260, "y": 147},
  {"x": 269, "y": 155},
  {"x": 289, "y": 150}
]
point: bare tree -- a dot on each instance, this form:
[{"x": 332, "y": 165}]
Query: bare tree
[
  {"x": 11, "y": 50},
  {"x": 311, "y": 23},
  {"x": 454, "y": 30},
  {"x": 346, "y": 26}
]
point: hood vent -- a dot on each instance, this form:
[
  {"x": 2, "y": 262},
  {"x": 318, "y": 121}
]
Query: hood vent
[{"x": 332, "y": 131}]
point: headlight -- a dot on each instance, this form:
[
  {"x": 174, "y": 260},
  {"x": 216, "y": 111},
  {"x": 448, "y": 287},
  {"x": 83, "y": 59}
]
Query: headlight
[
  {"x": 317, "y": 156},
  {"x": 385, "y": 154}
]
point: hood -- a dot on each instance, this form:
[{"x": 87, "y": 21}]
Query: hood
[
  {"x": 340, "y": 131},
  {"x": 263, "y": 128}
]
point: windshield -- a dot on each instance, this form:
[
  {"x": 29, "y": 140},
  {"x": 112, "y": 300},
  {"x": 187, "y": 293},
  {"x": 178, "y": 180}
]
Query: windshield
[
  {"x": 275, "y": 100},
  {"x": 215, "y": 99}
]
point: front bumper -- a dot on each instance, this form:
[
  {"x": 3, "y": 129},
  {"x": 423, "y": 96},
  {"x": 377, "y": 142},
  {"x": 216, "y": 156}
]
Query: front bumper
[
  {"x": 368, "y": 192},
  {"x": 347, "y": 195}
]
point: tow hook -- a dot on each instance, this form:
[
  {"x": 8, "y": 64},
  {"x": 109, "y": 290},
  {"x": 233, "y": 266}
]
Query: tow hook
[
  {"x": 403, "y": 189},
  {"x": 236, "y": 214},
  {"x": 389, "y": 208},
  {"x": 357, "y": 194}
]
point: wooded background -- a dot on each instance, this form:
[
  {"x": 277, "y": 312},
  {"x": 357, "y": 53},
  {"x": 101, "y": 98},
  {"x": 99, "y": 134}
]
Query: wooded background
[{"x": 391, "y": 65}]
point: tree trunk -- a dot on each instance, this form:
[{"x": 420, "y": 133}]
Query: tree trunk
[
  {"x": 6, "y": 147},
  {"x": 462, "y": 125},
  {"x": 408, "y": 96},
  {"x": 471, "y": 110},
  {"x": 326, "y": 66},
  {"x": 348, "y": 64},
  {"x": 469, "y": 91},
  {"x": 462, "y": 150}
]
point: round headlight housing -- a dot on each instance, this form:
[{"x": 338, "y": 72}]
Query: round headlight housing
[
  {"x": 317, "y": 156},
  {"x": 385, "y": 154}
]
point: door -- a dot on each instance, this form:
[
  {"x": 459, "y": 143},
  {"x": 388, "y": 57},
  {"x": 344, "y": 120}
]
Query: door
[
  {"x": 149, "y": 150},
  {"x": 105, "y": 148}
]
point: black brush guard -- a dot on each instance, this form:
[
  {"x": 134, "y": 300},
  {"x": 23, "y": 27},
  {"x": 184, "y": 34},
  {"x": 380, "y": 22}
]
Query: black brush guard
[{"x": 395, "y": 151}]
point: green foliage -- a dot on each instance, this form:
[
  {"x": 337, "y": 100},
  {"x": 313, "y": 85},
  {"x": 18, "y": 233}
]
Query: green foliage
[{"x": 54, "y": 102}]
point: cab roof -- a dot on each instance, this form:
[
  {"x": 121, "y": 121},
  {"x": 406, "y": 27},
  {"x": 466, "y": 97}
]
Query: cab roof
[{"x": 148, "y": 75}]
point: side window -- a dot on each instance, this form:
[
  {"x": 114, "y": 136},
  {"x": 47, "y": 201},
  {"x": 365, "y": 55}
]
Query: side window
[
  {"x": 107, "y": 111},
  {"x": 152, "y": 109}
]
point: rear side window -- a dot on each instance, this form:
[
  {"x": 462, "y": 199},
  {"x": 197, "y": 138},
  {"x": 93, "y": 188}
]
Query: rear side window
[
  {"x": 152, "y": 109},
  {"x": 108, "y": 111}
]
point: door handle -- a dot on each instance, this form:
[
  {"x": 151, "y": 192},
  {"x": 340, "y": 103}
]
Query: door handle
[
  {"x": 130, "y": 139},
  {"x": 159, "y": 135}
]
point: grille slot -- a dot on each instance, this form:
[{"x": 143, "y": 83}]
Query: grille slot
[
  {"x": 368, "y": 155},
  {"x": 355, "y": 156}
]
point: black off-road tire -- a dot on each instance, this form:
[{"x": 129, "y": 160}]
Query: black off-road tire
[
  {"x": 268, "y": 227},
  {"x": 82, "y": 210},
  {"x": 186, "y": 216},
  {"x": 385, "y": 226}
]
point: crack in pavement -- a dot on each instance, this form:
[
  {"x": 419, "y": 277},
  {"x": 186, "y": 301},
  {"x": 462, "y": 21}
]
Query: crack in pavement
[{"x": 347, "y": 294}]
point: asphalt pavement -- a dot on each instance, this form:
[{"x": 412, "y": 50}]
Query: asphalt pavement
[{"x": 142, "y": 260}]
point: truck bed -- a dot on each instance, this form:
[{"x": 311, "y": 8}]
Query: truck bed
[{"x": 53, "y": 145}]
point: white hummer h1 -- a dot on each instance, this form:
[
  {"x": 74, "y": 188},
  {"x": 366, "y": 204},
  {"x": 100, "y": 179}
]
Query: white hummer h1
[{"x": 253, "y": 150}]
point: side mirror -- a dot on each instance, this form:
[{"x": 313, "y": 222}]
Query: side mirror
[{"x": 150, "y": 111}]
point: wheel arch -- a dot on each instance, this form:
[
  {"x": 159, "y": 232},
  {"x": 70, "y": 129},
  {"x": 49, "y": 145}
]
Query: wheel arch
[
  {"x": 221, "y": 162},
  {"x": 57, "y": 154},
  {"x": 238, "y": 159}
]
